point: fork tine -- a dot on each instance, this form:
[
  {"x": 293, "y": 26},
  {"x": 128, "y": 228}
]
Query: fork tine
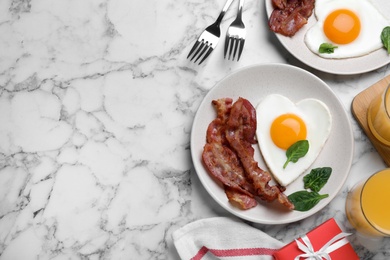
[
  {"x": 226, "y": 46},
  {"x": 205, "y": 47},
  {"x": 234, "y": 48},
  {"x": 201, "y": 46},
  {"x": 207, "y": 54},
  {"x": 241, "y": 43},
  {"x": 193, "y": 48}
]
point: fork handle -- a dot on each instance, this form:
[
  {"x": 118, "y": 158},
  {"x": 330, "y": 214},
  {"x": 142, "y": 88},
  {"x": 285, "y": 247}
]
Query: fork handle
[
  {"x": 240, "y": 5},
  {"x": 222, "y": 14}
]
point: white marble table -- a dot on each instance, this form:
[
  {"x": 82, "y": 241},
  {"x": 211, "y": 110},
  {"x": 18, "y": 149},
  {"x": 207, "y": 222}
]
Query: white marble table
[{"x": 97, "y": 100}]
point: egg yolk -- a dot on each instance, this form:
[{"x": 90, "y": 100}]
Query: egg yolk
[
  {"x": 342, "y": 26},
  {"x": 286, "y": 130}
]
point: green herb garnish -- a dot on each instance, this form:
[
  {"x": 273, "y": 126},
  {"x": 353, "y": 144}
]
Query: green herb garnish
[
  {"x": 317, "y": 178},
  {"x": 296, "y": 151},
  {"x": 385, "y": 37},
  {"x": 327, "y": 48},
  {"x": 305, "y": 200}
]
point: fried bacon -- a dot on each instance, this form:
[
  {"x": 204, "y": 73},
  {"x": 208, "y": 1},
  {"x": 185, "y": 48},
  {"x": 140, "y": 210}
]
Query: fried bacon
[
  {"x": 289, "y": 16},
  {"x": 222, "y": 163},
  {"x": 228, "y": 155},
  {"x": 217, "y": 128},
  {"x": 240, "y": 133},
  {"x": 240, "y": 200}
]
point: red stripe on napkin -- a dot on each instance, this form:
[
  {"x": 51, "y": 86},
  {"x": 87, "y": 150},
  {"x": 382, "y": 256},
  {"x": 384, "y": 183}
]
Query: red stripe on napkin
[{"x": 233, "y": 252}]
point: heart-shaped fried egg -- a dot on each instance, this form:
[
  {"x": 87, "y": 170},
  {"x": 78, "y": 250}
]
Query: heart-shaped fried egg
[
  {"x": 353, "y": 26},
  {"x": 281, "y": 123}
]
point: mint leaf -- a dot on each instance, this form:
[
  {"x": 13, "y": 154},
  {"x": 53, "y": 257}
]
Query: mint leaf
[
  {"x": 296, "y": 151},
  {"x": 385, "y": 37},
  {"x": 326, "y": 48},
  {"x": 317, "y": 178},
  {"x": 305, "y": 200}
]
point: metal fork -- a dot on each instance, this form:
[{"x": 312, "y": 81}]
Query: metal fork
[
  {"x": 208, "y": 40},
  {"x": 235, "y": 36}
]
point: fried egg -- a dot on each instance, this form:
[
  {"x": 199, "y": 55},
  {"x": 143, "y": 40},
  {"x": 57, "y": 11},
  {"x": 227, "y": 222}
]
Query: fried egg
[
  {"x": 354, "y": 26},
  {"x": 281, "y": 123}
]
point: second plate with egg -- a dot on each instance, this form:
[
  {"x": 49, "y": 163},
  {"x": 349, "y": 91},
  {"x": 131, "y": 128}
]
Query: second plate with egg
[
  {"x": 349, "y": 66},
  {"x": 254, "y": 83}
]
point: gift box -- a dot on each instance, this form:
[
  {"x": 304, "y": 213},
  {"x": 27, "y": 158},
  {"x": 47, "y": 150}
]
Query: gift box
[{"x": 326, "y": 241}]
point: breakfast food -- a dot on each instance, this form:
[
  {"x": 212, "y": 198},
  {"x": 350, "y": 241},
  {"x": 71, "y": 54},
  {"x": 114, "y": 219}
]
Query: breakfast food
[
  {"x": 353, "y": 26},
  {"x": 283, "y": 124},
  {"x": 289, "y": 16},
  {"x": 228, "y": 155},
  {"x": 222, "y": 163}
]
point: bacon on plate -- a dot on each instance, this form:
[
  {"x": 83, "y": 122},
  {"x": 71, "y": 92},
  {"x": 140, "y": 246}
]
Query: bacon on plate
[
  {"x": 228, "y": 155},
  {"x": 289, "y": 16},
  {"x": 222, "y": 163},
  {"x": 240, "y": 133}
]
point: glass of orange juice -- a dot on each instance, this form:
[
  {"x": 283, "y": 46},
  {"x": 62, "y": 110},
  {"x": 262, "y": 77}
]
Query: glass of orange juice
[
  {"x": 378, "y": 117},
  {"x": 368, "y": 205}
]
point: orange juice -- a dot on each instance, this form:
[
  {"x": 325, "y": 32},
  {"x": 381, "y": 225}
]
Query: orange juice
[
  {"x": 378, "y": 117},
  {"x": 368, "y": 205}
]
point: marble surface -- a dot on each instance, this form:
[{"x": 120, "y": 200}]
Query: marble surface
[{"x": 97, "y": 101}]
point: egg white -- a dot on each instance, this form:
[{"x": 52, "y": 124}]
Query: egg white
[
  {"x": 318, "y": 120},
  {"x": 372, "y": 24}
]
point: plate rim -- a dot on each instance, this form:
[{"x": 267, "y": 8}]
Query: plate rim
[{"x": 196, "y": 156}]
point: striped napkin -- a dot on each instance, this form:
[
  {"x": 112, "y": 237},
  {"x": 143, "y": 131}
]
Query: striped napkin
[{"x": 223, "y": 238}]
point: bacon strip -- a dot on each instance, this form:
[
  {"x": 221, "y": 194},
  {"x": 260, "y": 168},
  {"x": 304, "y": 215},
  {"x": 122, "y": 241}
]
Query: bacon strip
[
  {"x": 222, "y": 163},
  {"x": 289, "y": 16},
  {"x": 240, "y": 133},
  {"x": 217, "y": 128},
  {"x": 240, "y": 200}
]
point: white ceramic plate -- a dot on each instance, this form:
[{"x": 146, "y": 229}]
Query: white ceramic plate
[
  {"x": 254, "y": 83},
  {"x": 296, "y": 46}
]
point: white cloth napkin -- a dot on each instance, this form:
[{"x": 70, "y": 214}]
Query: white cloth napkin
[{"x": 223, "y": 238}]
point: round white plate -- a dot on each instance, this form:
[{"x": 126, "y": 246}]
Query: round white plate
[
  {"x": 254, "y": 83},
  {"x": 296, "y": 46}
]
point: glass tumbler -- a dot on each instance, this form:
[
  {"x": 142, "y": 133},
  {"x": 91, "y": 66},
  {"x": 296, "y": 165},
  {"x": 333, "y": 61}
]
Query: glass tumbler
[
  {"x": 368, "y": 205},
  {"x": 378, "y": 117}
]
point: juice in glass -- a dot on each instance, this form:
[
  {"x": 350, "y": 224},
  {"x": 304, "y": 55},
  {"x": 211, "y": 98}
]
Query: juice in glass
[
  {"x": 378, "y": 117},
  {"x": 368, "y": 205}
]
